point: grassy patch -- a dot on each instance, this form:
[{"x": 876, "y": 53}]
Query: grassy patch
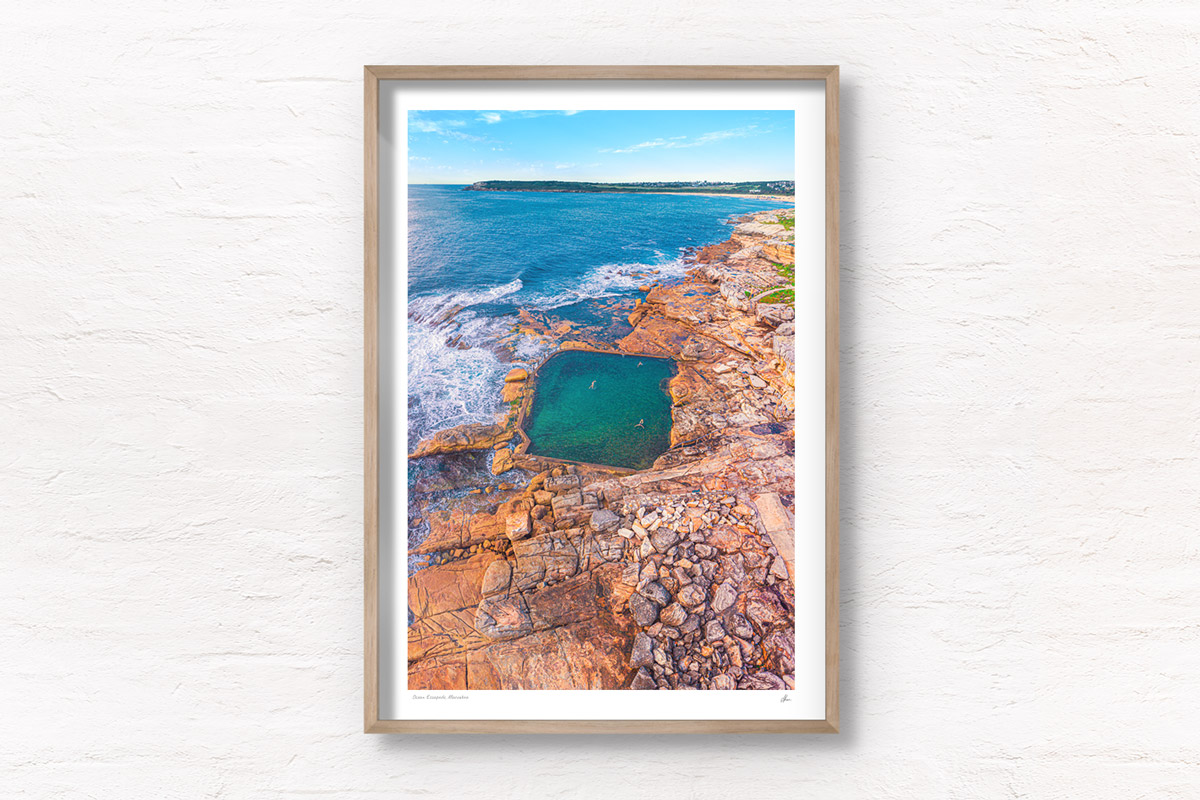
[
  {"x": 788, "y": 223},
  {"x": 780, "y": 296},
  {"x": 785, "y": 271}
]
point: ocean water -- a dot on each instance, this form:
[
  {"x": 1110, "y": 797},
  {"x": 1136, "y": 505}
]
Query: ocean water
[
  {"x": 477, "y": 258},
  {"x": 602, "y": 408}
]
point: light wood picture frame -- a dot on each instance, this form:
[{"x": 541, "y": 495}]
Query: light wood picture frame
[{"x": 781, "y": 76}]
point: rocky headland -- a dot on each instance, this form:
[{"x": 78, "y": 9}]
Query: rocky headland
[{"x": 575, "y": 576}]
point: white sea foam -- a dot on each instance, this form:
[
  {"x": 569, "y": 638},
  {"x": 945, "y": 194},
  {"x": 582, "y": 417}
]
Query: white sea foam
[
  {"x": 453, "y": 369},
  {"x": 434, "y": 308},
  {"x": 609, "y": 280},
  {"x": 447, "y": 385}
]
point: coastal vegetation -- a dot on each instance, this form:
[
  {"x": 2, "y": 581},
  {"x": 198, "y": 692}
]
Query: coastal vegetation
[
  {"x": 780, "y": 296},
  {"x": 784, "y": 294}
]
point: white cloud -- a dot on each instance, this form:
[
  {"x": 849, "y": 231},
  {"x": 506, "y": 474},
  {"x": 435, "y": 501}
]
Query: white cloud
[
  {"x": 490, "y": 117},
  {"x": 676, "y": 142},
  {"x": 445, "y": 127}
]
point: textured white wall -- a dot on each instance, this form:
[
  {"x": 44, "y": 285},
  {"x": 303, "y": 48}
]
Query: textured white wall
[{"x": 180, "y": 401}]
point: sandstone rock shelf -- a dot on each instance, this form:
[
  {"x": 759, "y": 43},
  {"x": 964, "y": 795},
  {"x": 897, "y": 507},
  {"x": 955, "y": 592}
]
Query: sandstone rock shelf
[{"x": 679, "y": 576}]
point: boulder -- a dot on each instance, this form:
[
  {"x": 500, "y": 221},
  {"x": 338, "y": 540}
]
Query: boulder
[
  {"x": 663, "y": 538},
  {"x": 549, "y": 557},
  {"x": 448, "y": 587},
  {"x": 691, "y": 595},
  {"x": 643, "y": 651},
  {"x": 673, "y": 615},
  {"x": 562, "y": 483},
  {"x": 724, "y": 597},
  {"x": 723, "y": 682},
  {"x": 657, "y": 592},
  {"x": 643, "y": 680},
  {"x": 515, "y": 375},
  {"x": 604, "y": 520},
  {"x": 517, "y": 525},
  {"x": 497, "y": 578},
  {"x": 502, "y": 461},
  {"x": 643, "y": 610},
  {"x": 774, "y": 315},
  {"x": 503, "y": 617},
  {"x": 725, "y": 538},
  {"x": 765, "y": 609},
  {"x": 762, "y": 680}
]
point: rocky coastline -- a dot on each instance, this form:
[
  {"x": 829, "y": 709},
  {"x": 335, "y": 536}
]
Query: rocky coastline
[{"x": 576, "y": 576}]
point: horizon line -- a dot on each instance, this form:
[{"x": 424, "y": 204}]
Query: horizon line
[{"x": 590, "y": 180}]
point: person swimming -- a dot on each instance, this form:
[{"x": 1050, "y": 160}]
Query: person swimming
[
  {"x": 641, "y": 423},
  {"x": 593, "y": 386},
  {"x": 639, "y": 363}
]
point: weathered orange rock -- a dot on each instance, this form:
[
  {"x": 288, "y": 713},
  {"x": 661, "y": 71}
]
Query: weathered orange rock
[
  {"x": 502, "y": 461},
  {"x": 456, "y": 528},
  {"x": 779, "y": 252},
  {"x": 463, "y": 437},
  {"x": 725, "y": 538},
  {"x": 444, "y": 634},
  {"x": 517, "y": 525},
  {"x": 516, "y": 374},
  {"x": 584, "y": 655},
  {"x": 448, "y": 673},
  {"x": 448, "y": 587},
  {"x": 513, "y": 390}
]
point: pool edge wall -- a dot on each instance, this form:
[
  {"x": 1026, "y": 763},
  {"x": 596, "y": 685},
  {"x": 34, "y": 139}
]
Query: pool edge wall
[{"x": 532, "y": 461}]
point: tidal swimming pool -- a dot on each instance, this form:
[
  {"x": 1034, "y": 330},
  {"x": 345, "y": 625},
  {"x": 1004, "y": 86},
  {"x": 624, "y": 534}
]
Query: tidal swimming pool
[{"x": 601, "y": 408}]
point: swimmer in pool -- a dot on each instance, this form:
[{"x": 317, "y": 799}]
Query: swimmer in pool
[
  {"x": 593, "y": 386},
  {"x": 641, "y": 424}
]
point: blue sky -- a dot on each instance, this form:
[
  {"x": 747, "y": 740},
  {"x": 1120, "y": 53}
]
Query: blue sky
[{"x": 469, "y": 146}]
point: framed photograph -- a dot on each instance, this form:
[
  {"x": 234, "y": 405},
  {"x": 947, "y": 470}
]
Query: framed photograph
[{"x": 601, "y": 489}]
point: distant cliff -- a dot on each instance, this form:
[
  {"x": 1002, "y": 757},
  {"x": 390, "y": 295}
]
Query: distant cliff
[{"x": 774, "y": 188}]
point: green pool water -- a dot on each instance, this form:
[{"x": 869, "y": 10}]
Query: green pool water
[{"x": 588, "y": 406}]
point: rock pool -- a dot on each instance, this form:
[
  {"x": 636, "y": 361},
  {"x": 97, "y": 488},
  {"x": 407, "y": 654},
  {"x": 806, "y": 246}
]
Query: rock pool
[{"x": 601, "y": 408}]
